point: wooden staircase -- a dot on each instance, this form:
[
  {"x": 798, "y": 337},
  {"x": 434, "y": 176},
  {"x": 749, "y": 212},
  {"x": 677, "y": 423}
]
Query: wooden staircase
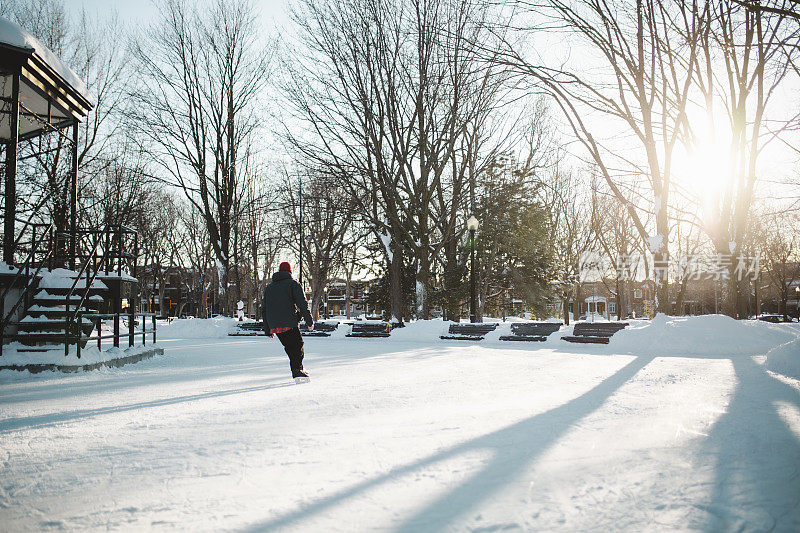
[
  {"x": 43, "y": 306},
  {"x": 47, "y": 323}
]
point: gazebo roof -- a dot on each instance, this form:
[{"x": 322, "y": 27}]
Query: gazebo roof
[{"x": 49, "y": 89}]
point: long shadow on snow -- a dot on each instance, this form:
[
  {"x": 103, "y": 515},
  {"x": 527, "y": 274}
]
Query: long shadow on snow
[
  {"x": 755, "y": 457},
  {"x": 515, "y": 447},
  {"x": 264, "y": 360},
  {"x": 245, "y": 365},
  {"x": 58, "y": 418}
]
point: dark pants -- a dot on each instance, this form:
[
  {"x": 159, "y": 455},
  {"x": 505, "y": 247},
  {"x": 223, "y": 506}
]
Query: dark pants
[{"x": 293, "y": 344}]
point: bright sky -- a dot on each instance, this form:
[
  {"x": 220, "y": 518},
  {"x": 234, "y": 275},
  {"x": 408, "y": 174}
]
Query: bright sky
[{"x": 142, "y": 11}]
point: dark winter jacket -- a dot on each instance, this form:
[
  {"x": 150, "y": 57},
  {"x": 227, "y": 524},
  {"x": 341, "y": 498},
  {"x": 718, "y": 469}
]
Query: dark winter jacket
[{"x": 284, "y": 303}]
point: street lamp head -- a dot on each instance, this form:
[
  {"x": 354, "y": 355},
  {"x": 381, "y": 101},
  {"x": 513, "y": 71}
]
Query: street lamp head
[{"x": 472, "y": 223}]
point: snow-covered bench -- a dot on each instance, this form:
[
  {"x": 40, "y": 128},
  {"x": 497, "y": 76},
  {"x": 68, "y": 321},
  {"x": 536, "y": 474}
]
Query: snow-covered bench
[
  {"x": 468, "y": 332},
  {"x": 594, "y": 332},
  {"x": 531, "y": 331},
  {"x": 369, "y": 329},
  {"x": 321, "y": 329},
  {"x": 247, "y": 329}
]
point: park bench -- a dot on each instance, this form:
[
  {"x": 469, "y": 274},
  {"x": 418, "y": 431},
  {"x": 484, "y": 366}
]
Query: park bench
[
  {"x": 248, "y": 329},
  {"x": 594, "y": 332},
  {"x": 252, "y": 329},
  {"x": 531, "y": 331},
  {"x": 321, "y": 329},
  {"x": 468, "y": 332},
  {"x": 369, "y": 329}
]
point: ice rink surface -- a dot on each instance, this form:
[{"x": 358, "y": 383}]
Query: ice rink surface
[{"x": 412, "y": 433}]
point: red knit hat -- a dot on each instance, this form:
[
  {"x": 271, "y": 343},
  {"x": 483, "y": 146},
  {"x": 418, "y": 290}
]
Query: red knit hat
[{"x": 285, "y": 267}]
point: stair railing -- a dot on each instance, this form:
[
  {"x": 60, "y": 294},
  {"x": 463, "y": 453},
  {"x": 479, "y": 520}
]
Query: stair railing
[
  {"x": 70, "y": 319},
  {"x": 47, "y": 241},
  {"x": 29, "y": 282}
]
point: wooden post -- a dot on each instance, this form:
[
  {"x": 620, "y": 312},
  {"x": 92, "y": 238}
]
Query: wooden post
[
  {"x": 11, "y": 174},
  {"x": 119, "y": 254},
  {"x": 80, "y": 333},
  {"x": 116, "y": 329},
  {"x": 131, "y": 320},
  {"x": 73, "y": 198},
  {"x": 67, "y": 325}
]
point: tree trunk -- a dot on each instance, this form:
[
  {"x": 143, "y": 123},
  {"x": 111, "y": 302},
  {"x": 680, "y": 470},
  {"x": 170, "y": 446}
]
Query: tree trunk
[
  {"x": 423, "y": 279},
  {"x": 347, "y": 292},
  {"x": 396, "y": 284}
]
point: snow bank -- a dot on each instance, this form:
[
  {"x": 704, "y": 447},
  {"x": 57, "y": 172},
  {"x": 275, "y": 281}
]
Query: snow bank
[
  {"x": 708, "y": 335},
  {"x": 89, "y": 355},
  {"x": 785, "y": 359},
  {"x": 196, "y": 328},
  {"x": 711, "y": 335},
  {"x": 420, "y": 330}
]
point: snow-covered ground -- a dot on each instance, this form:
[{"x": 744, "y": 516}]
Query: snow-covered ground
[{"x": 677, "y": 424}]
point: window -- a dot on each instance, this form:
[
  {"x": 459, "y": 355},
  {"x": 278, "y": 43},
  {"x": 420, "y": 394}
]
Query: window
[
  {"x": 612, "y": 307},
  {"x": 637, "y": 293}
]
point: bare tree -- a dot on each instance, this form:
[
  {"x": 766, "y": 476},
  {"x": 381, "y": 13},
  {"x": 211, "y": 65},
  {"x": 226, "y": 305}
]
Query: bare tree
[
  {"x": 616, "y": 237},
  {"x": 780, "y": 248},
  {"x": 648, "y": 52},
  {"x": 200, "y": 72},
  {"x": 743, "y": 57},
  {"x": 394, "y": 103},
  {"x": 328, "y": 213},
  {"x": 571, "y": 215}
]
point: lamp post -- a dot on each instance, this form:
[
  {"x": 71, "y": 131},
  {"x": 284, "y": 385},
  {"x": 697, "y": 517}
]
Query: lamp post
[
  {"x": 472, "y": 226},
  {"x": 797, "y": 301}
]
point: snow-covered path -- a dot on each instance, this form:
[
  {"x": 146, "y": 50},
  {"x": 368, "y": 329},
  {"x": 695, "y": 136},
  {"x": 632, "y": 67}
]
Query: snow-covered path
[{"x": 402, "y": 436}]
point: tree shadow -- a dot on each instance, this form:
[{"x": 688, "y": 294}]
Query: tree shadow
[
  {"x": 51, "y": 419},
  {"x": 755, "y": 457},
  {"x": 514, "y": 448}
]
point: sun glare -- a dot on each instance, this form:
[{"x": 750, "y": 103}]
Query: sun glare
[{"x": 706, "y": 169}]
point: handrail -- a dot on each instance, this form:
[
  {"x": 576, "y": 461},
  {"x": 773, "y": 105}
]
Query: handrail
[
  {"x": 99, "y": 317},
  {"x": 25, "y": 266},
  {"x": 102, "y": 247},
  {"x": 71, "y": 318},
  {"x": 80, "y": 273}
]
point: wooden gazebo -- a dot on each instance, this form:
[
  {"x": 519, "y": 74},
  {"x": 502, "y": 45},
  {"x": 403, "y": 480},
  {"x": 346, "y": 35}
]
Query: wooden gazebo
[
  {"x": 42, "y": 304},
  {"x": 40, "y": 95}
]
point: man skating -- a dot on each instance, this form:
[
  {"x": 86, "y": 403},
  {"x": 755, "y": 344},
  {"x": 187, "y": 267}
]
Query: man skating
[{"x": 283, "y": 306}]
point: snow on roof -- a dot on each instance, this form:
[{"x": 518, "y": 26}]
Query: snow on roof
[{"x": 12, "y": 34}]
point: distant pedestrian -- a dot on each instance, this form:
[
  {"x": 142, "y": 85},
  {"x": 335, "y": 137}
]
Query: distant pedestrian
[{"x": 283, "y": 307}]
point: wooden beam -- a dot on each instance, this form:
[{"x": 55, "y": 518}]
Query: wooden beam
[
  {"x": 73, "y": 198},
  {"x": 9, "y": 230}
]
